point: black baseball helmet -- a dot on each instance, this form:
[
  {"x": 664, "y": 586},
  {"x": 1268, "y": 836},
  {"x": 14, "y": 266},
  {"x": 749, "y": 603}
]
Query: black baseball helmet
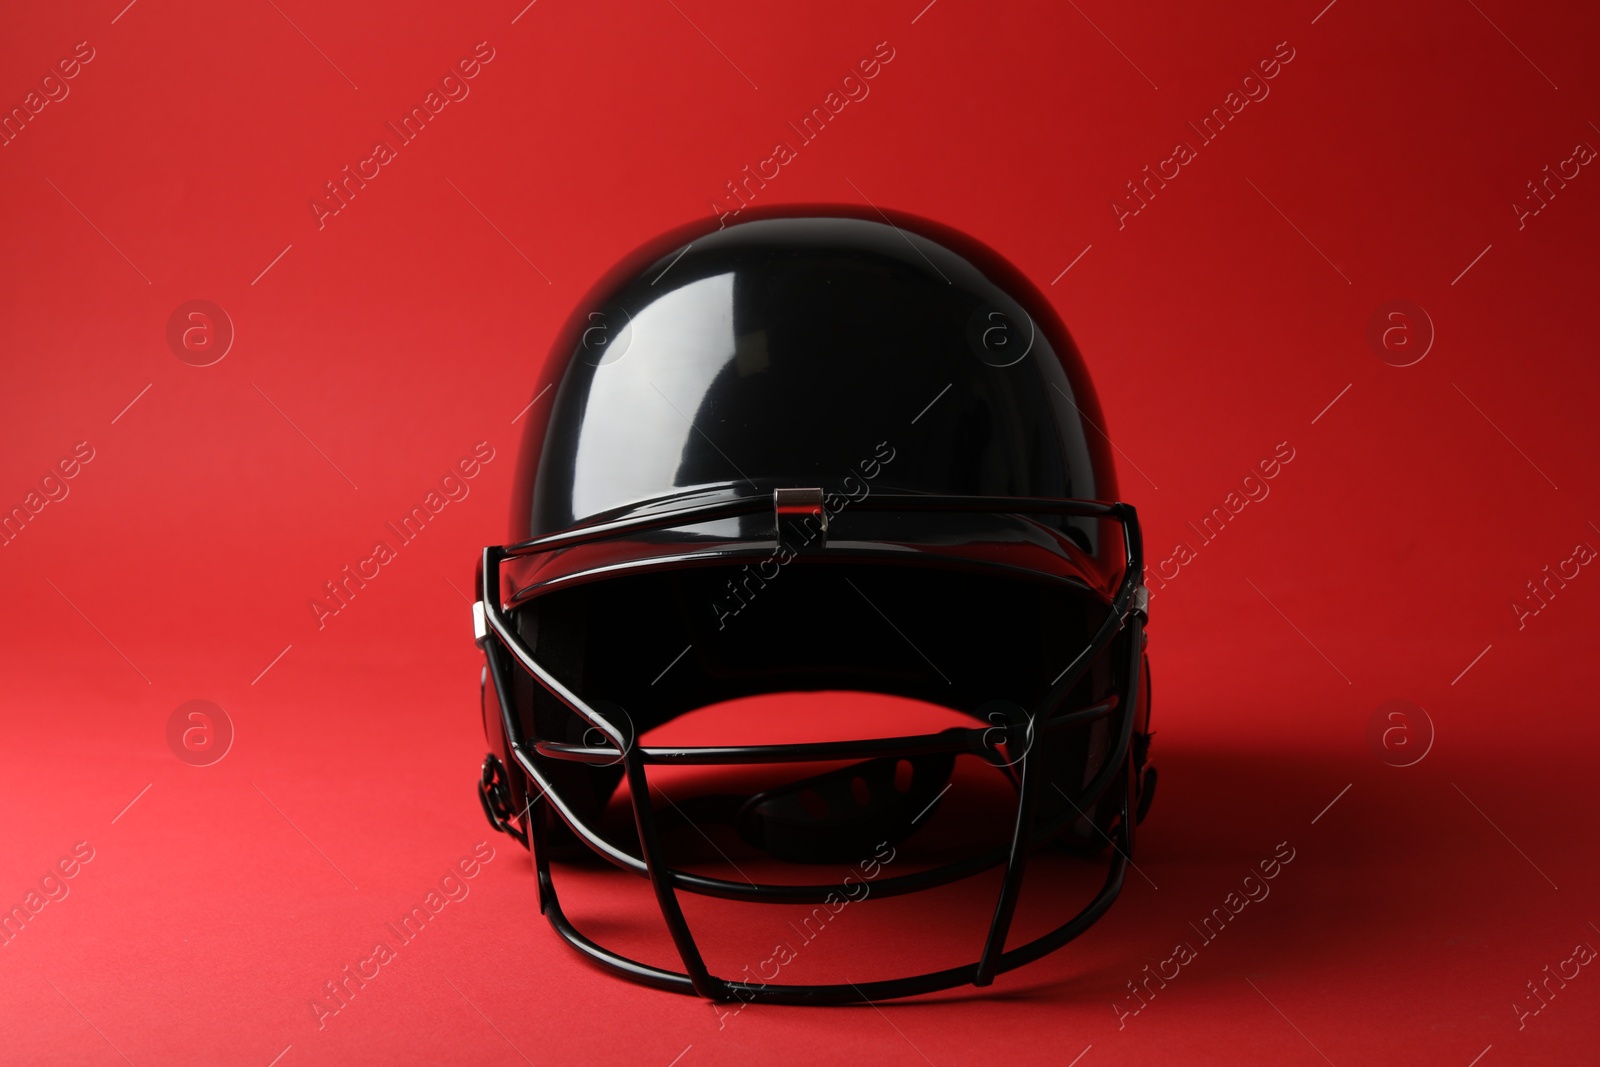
[{"x": 812, "y": 453}]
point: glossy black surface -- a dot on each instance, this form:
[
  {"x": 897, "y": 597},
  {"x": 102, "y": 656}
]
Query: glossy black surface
[{"x": 788, "y": 352}]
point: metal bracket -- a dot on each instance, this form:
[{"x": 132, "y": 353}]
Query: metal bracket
[
  {"x": 494, "y": 793},
  {"x": 801, "y": 520},
  {"x": 480, "y": 624}
]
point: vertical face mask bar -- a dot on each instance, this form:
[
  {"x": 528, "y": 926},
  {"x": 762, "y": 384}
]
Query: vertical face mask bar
[
  {"x": 1027, "y": 802},
  {"x": 1006, "y": 904},
  {"x": 1122, "y": 761},
  {"x": 1127, "y": 609},
  {"x": 644, "y": 817},
  {"x": 1023, "y": 829}
]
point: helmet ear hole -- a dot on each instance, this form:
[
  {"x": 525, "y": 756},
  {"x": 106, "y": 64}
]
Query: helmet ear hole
[
  {"x": 902, "y": 776},
  {"x": 860, "y": 791}
]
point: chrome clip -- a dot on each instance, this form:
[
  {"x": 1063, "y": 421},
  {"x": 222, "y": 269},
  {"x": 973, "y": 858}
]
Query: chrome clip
[{"x": 801, "y": 520}]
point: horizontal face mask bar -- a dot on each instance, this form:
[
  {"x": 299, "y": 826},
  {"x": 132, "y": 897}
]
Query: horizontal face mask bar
[
  {"x": 751, "y": 505},
  {"x": 1127, "y": 609},
  {"x": 954, "y": 741}
]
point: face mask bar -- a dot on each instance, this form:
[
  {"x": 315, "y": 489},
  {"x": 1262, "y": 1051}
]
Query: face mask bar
[{"x": 502, "y": 646}]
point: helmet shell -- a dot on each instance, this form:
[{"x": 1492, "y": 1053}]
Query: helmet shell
[{"x": 781, "y": 352}]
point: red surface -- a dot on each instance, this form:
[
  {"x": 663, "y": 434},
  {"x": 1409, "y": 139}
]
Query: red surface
[{"x": 407, "y": 329}]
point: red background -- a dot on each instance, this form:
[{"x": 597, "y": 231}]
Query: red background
[{"x": 407, "y": 329}]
